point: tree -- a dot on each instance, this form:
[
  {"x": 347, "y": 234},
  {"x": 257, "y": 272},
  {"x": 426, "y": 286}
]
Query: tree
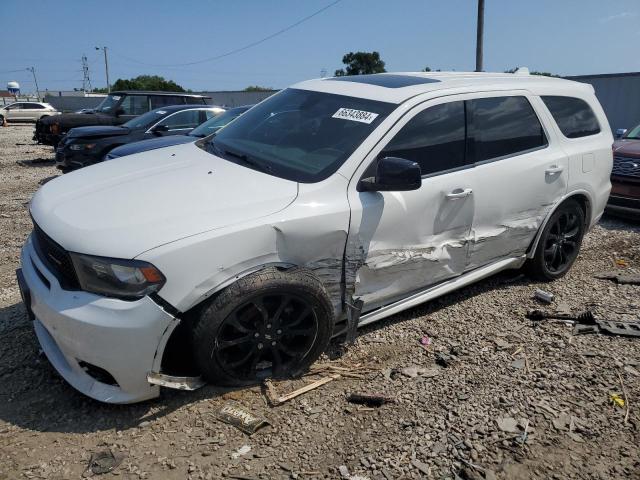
[
  {"x": 426, "y": 69},
  {"x": 534, "y": 72},
  {"x": 361, "y": 63},
  {"x": 147, "y": 82},
  {"x": 257, "y": 88}
]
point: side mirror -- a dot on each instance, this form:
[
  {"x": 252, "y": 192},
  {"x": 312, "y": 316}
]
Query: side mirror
[
  {"x": 158, "y": 129},
  {"x": 119, "y": 112},
  {"x": 393, "y": 174},
  {"x": 620, "y": 132}
]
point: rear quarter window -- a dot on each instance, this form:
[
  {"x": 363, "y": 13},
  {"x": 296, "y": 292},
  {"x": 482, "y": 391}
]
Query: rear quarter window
[{"x": 574, "y": 116}]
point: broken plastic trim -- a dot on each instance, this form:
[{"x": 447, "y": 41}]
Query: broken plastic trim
[{"x": 178, "y": 383}]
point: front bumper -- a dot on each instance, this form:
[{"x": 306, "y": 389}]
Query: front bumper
[
  {"x": 625, "y": 196},
  {"x": 70, "y": 160},
  {"x": 85, "y": 336}
]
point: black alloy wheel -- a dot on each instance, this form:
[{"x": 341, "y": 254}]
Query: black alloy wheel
[
  {"x": 265, "y": 337},
  {"x": 562, "y": 242}
]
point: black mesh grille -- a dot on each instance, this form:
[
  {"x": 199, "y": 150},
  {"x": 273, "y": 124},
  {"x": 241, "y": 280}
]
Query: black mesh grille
[
  {"x": 56, "y": 259},
  {"x": 626, "y": 166}
]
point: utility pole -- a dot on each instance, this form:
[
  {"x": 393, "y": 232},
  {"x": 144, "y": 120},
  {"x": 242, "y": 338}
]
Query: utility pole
[
  {"x": 106, "y": 67},
  {"x": 33, "y": 71},
  {"x": 479, "y": 36}
]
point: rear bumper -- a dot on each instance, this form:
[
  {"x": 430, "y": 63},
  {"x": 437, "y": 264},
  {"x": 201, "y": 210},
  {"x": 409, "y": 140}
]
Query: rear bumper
[{"x": 103, "y": 347}]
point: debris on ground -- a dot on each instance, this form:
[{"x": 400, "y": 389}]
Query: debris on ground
[
  {"x": 616, "y": 400},
  {"x": 243, "y": 450},
  {"x": 241, "y": 418},
  {"x": 275, "y": 399},
  {"x": 507, "y": 424},
  {"x": 104, "y": 461},
  {"x": 544, "y": 297},
  {"x": 620, "y": 278},
  {"x": 369, "y": 400}
]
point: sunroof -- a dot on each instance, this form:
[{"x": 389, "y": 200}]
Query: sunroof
[{"x": 385, "y": 80}]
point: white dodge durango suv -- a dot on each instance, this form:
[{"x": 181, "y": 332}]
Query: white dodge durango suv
[{"x": 330, "y": 205}]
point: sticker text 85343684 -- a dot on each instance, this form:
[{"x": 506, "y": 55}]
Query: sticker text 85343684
[{"x": 355, "y": 115}]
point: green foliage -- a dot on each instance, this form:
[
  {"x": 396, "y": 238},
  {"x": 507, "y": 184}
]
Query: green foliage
[
  {"x": 426, "y": 69},
  {"x": 257, "y": 88},
  {"x": 534, "y": 72},
  {"x": 99, "y": 90},
  {"x": 147, "y": 82},
  {"x": 361, "y": 63}
]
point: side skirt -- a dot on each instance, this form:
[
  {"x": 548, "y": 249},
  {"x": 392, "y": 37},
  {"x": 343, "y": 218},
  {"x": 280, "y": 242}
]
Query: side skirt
[{"x": 441, "y": 289}]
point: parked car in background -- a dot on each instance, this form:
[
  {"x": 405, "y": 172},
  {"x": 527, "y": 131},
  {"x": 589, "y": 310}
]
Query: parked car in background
[
  {"x": 625, "y": 176},
  {"x": 330, "y": 205},
  {"x": 26, "y": 112},
  {"x": 116, "y": 109},
  {"x": 207, "y": 128},
  {"x": 84, "y": 146}
]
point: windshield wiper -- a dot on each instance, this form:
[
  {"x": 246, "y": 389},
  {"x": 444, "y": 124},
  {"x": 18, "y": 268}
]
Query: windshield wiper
[{"x": 246, "y": 159}]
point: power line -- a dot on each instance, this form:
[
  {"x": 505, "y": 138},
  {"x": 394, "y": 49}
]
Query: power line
[{"x": 237, "y": 50}]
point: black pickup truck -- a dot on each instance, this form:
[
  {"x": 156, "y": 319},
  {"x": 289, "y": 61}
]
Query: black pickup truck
[{"x": 115, "y": 109}]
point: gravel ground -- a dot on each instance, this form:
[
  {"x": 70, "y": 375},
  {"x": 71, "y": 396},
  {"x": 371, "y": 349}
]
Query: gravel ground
[{"x": 515, "y": 401}]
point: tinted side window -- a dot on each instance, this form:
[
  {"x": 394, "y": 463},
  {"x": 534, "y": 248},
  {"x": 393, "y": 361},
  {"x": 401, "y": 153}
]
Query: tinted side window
[
  {"x": 435, "y": 138},
  {"x": 135, "y": 104},
  {"x": 33, "y": 106},
  {"x": 164, "y": 100},
  {"x": 502, "y": 126},
  {"x": 573, "y": 115},
  {"x": 182, "y": 120}
]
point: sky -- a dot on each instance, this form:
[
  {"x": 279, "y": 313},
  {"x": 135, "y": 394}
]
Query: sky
[{"x": 175, "y": 38}]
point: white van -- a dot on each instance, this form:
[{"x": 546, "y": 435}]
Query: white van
[{"x": 332, "y": 204}]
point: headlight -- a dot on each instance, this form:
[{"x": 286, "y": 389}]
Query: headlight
[
  {"x": 82, "y": 146},
  {"x": 127, "y": 279}
]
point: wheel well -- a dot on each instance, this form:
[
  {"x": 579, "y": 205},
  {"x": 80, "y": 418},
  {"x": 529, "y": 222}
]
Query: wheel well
[
  {"x": 584, "y": 203},
  {"x": 177, "y": 358}
]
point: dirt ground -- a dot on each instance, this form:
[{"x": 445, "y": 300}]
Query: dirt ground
[{"x": 515, "y": 400}]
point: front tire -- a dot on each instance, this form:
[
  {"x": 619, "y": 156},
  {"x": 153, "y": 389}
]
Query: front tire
[
  {"x": 559, "y": 243},
  {"x": 269, "y": 324}
]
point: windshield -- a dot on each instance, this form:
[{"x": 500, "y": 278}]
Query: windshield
[
  {"x": 216, "y": 123},
  {"x": 107, "y": 105},
  {"x": 634, "y": 133},
  {"x": 298, "y": 134},
  {"x": 146, "y": 119}
]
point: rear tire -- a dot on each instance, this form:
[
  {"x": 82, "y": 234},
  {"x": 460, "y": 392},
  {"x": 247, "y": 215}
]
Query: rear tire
[
  {"x": 269, "y": 324},
  {"x": 559, "y": 243}
]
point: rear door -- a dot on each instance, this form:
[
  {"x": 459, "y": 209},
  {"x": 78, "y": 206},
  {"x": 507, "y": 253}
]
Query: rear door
[{"x": 520, "y": 173}]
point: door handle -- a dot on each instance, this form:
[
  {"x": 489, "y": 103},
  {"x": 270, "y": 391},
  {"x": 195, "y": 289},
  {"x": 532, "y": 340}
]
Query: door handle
[
  {"x": 553, "y": 169},
  {"x": 459, "y": 193}
]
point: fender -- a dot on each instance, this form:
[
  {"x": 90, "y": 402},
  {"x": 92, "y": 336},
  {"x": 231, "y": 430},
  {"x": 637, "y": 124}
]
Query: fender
[{"x": 575, "y": 193}]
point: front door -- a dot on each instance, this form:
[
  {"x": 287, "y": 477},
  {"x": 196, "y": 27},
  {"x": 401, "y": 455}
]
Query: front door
[
  {"x": 518, "y": 177},
  {"x": 401, "y": 242}
]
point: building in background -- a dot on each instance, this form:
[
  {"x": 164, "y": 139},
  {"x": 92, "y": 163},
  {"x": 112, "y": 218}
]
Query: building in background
[{"x": 619, "y": 94}]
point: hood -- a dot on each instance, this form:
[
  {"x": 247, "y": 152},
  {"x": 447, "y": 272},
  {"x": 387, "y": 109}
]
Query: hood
[
  {"x": 102, "y": 131},
  {"x": 70, "y": 120},
  {"x": 150, "y": 144},
  {"x": 627, "y": 148},
  {"x": 123, "y": 208}
]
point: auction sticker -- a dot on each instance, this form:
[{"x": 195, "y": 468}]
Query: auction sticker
[{"x": 355, "y": 115}]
